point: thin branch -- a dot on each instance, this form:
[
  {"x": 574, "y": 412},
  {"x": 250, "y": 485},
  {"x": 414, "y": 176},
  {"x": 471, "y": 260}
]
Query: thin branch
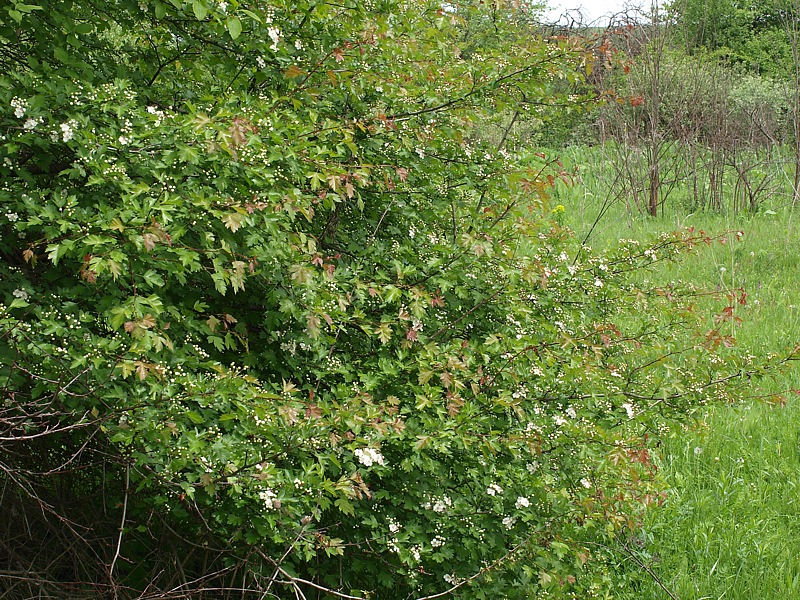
[{"x": 121, "y": 526}]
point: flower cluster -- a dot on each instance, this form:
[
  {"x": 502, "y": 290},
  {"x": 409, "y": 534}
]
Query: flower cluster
[
  {"x": 68, "y": 130},
  {"x": 494, "y": 490},
  {"x": 275, "y": 35},
  {"x": 369, "y": 456},
  {"x": 20, "y": 106},
  {"x": 270, "y": 499}
]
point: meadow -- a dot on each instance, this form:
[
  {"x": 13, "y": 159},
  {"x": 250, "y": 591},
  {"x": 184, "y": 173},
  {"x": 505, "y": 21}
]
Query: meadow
[{"x": 730, "y": 523}]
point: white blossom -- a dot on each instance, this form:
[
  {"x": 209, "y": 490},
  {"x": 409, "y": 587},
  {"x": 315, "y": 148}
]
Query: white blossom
[
  {"x": 275, "y": 35},
  {"x": 369, "y": 456},
  {"x": 494, "y": 489},
  {"x": 68, "y": 130},
  {"x": 629, "y": 409},
  {"x": 270, "y": 499},
  {"x": 20, "y": 106},
  {"x": 522, "y": 502}
]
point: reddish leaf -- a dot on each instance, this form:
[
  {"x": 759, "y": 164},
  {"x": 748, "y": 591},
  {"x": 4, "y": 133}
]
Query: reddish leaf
[
  {"x": 312, "y": 410},
  {"x": 437, "y": 300},
  {"x": 150, "y": 240}
]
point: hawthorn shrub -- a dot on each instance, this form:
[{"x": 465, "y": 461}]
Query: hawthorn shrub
[{"x": 278, "y": 322}]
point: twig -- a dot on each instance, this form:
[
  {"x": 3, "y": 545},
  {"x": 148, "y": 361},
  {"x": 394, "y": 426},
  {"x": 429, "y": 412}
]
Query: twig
[{"x": 121, "y": 526}]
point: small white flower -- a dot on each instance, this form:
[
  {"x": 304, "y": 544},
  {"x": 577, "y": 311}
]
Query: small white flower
[
  {"x": 262, "y": 64},
  {"x": 629, "y": 409},
  {"x": 522, "y": 502},
  {"x": 31, "y": 124},
  {"x": 598, "y": 283},
  {"x": 571, "y": 413},
  {"x": 12, "y": 216},
  {"x": 438, "y": 541},
  {"x": 586, "y": 483},
  {"x": 223, "y": 7},
  {"x": 21, "y": 294},
  {"x": 123, "y": 140},
  {"x": 508, "y": 522},
  {"x": 298, "y": 44},
  {"x": 698, "y": 450}
]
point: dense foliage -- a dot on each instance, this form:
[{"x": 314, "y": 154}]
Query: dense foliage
[{"x": 277, "y": 319}]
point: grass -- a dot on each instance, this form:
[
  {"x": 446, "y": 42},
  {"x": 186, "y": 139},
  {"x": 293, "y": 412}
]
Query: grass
[{"x": 730, "y": 525}]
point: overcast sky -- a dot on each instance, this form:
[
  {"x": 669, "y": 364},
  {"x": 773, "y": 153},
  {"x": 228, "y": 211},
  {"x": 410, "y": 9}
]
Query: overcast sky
[{"x": 592, "y": 10}]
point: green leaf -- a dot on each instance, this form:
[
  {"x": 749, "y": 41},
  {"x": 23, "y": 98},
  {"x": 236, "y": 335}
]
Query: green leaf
[
  {"x": 188, "y": 154},
  {"x": 195, "y": 417},
  {"x": 251, "y": 14},
  {"x": 345, "y": 506},
  {"x": 62, "y": 55},
  {"x": 53, "y": 253},
  {"x": 234, "y": 26},
  {"x": 153, "y": 279},
  {"x": 200, "y": 9}
]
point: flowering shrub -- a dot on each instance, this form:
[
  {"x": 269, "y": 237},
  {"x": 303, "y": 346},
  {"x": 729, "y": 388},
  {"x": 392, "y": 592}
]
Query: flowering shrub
[{"x": 276, "y": 319}]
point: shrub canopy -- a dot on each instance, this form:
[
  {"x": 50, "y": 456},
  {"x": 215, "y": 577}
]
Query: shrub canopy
[{"x": 278, "y": 319}]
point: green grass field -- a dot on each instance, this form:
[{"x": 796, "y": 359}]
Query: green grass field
[{"x": 730, "y": 525}]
